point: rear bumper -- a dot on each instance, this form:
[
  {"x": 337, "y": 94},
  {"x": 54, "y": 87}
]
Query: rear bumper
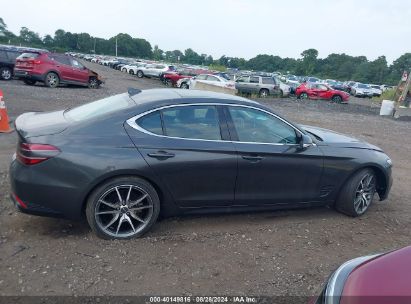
[
  {"x": 33, "y": 209},
  {"x": 23, "y": 74}
]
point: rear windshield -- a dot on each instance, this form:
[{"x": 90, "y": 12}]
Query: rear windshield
[
  {"x": 28, "y": 55},
  {"x": 99, "y": 107}
]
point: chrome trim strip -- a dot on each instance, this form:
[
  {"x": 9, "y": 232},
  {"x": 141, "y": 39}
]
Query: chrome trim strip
[{"x": 132, "y": 123}]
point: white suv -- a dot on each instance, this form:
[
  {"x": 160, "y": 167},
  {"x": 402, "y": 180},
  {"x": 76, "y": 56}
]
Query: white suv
[{"x": 153, "y": 70}]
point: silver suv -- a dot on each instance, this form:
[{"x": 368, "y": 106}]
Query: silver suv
[{"x": 263, "y": 86}]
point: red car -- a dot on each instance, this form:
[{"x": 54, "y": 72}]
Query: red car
[
  {"x": 375, "y": 279},
  {"x": 321, "y": 91},
  {"x": 171, "y": 78},
  {"x": 53, "y": 69}
]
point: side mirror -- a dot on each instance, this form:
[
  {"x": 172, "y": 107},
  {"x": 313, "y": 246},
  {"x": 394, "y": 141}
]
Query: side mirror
[{"x": 305, "y": 142}]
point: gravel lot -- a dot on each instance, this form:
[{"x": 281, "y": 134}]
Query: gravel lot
[{"x": 273, "y": 253}]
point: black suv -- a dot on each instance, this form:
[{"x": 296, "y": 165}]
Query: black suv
[{"x": 8, "y": 55}]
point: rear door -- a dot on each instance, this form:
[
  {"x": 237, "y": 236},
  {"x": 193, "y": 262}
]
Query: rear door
[
  {"x": 188, "y": 148},
  {"x": 63, "y": 66},
  {"x": 254, "y": 84}
]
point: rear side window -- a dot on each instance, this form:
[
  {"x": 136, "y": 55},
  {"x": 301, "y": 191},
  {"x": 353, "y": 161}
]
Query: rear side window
[
  {"x": 267, "y": 80},
  {"x": 195, "y": 122},
  {"x": 151, "y": 122},
  {"x": 28, "y": 56},
  {"x": 255, "y": 80},
  {"x": 13, "y": 55},
  {"x": 100, "y": 107},
  {"x": 61, "y": 59}
]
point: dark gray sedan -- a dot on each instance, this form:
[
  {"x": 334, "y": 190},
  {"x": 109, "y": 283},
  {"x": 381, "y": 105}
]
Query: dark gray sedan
[{"x": 123, "y": 160}]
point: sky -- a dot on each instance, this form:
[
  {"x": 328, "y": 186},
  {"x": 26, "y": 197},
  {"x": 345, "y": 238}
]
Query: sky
[{"x": 235, "y": 28}]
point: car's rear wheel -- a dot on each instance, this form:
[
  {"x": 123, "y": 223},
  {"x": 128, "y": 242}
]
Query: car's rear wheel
[
  {"x": 140, "y": 74},
  {"x": 52, "y": 80},
  {"x": 5, "y": 73},
  {"x": 336, "y": 98},
  {"x": 357, "y": 194},
  {"x": 93, "y": 83},
  {"x": 264, "y": 93},
  {"x": 123, "y": 208},
  {"x": 304, "y": 95},
  {"x": 184, "y": 85},
  {"x": 29, "y": 82}
]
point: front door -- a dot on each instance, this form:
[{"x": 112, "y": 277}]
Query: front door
[
  {"x": 272, "y": 167},
  {"x": 189, "y": 150}
]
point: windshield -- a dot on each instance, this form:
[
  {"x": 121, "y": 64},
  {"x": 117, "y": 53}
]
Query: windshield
[{"x": 99, "y": 107}]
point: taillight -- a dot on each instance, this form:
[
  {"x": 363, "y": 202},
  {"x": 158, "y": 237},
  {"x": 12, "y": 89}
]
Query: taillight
[{"x": 31, "y": 154}]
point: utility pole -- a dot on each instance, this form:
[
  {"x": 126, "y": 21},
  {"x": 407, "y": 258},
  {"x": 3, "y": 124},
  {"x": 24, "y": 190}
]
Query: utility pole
[{"x": 116, "y": 46}]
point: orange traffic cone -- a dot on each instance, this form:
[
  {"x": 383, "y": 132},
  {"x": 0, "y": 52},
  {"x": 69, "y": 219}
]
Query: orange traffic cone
[{"x": 4, "y": 118}]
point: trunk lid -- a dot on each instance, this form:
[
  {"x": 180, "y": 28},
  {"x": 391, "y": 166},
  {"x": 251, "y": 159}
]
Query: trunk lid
[{"x": 41, "y": 123}]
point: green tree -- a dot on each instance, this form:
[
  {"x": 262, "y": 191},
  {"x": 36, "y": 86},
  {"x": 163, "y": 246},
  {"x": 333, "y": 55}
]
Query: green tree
[
  {"x": 29, "y": 37},
  {"x": 158, "y": 54}
]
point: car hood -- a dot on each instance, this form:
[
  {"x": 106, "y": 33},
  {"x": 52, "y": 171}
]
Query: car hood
[
  {"x": 387, "y": 275},
  {"x": 331, "y": 138}
]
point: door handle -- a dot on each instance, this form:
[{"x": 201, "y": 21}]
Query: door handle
[
  {"x": 252, "y": 158},
  {"x": 161, "y": 155}
]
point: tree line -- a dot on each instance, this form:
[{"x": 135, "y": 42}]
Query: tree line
[{"x": 334, "y": 66}]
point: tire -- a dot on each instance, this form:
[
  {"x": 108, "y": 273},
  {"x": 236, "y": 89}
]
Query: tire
[
  {"x": 264, "y": 93},
  {"x": 168, "y": 83},
  {"x": 6, "y": 73},
  {"x": 131, "y": 72},
  {"x": 140, "y": 74},
  {"x": 124, "y": 70},
  {"x": 93, "y": 83},
  {"x": 52, "y": 80},
  {"x": 184, "y": 86},
  {"x": 115, "y": 217},
  {"x": 303, "y": 95},
  {"x": 336, "y": 99},
  {"x": 351, "y": 201},
  {"x": 29, "y": 82}
]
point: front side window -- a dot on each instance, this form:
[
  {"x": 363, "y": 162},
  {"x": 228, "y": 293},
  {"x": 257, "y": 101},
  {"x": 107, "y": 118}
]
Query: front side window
[
  {"x": 212, "y": 78},
  {"x": 256, "y": 126},
  {"x": 76, "y": 64},
  {"x": 196, "y": 122},
  {"x": 201, "y": 77},
  {"x": 243, "y": 79}
]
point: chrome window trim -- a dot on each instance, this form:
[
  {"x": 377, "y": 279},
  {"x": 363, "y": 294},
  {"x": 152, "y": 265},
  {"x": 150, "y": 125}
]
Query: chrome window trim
[{"x": 132, "y": 123}]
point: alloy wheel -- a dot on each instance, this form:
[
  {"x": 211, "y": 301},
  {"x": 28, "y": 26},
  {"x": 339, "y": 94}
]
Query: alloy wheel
[
  {"x": 364, "y": 193},
  {"x": 93, "y": 83},
  {"x": 52, "y": 79},
  {"x": 6, "y": 74},
  {"x": 304, "y": 96},
  {"x": 123, "y": 211}
]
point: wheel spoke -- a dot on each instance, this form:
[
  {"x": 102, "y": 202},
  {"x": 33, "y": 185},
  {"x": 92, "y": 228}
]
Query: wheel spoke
[
  {"x": 122, "y": 218},
  {"x": 141, "y": 208},
  {"x": 128, "y": 219},
  {"x": 107, "y": 212},
  {"x": 119, "y": 195},
  {"x": 135, "y": 216},
  {"x": 115, "y": 218},
  {"x": 113, "y": 206},
  {"x": 138, "y": 201},
  {"x": 128, "y": 194}
]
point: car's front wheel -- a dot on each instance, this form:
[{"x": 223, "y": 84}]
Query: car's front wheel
[
  {"x": 357, "y": 194},
  {"x": 337, "y": 99},
  {"x": 184, "y": 86},
  {"x": 123, "y": 208},
  {"x": 304, "y": 95},
  {"x": 93, "y": 83}
]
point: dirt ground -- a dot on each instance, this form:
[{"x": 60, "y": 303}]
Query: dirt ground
[{"x": 272, "y": 253}]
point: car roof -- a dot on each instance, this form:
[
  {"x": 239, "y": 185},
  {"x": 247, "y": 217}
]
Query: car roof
[{"x": 157, "y": 96}]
